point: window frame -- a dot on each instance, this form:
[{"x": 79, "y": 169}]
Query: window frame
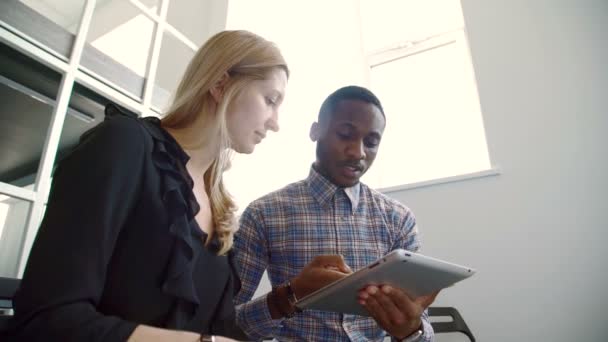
[{"x": 408, "y": 48}]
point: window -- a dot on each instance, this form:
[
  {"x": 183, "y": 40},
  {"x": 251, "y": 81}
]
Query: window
[
  {"x": 123, "y": 33},
  {"x": 45, "y": 21},
  {"x": 412, "y": 54},
  {"x": 421, "y": 70},
  {"x": 172, "y": 62}
]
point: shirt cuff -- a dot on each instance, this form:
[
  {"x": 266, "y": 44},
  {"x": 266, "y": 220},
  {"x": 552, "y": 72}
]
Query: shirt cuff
[
  {"x": 427, "y": 334},
  {"x": 254, "y": 318}
]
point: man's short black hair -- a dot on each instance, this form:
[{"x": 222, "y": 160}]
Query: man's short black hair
[{"x": 347, "y": 93}]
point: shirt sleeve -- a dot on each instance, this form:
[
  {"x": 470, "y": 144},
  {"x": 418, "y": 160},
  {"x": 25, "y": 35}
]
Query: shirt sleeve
[
  {"x": 92, "y": 193},
  {"x": 428, "y": 335},
  {"x": 252, "y": 260},
  {"x": 406, "y": 230},
  {"x": 408, "y": 237}
]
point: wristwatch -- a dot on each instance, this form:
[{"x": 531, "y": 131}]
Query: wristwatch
[
  {"x": 413, "y": 337},
  {"x": 207, "y": 338},
  {"x": 291, "y": 296}
]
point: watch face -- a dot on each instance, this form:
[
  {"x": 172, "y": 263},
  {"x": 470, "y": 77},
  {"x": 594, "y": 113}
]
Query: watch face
[{"x": 413, "y": 337}]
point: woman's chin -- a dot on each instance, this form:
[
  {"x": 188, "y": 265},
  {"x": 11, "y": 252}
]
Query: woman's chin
[{"x": 247, "y": 149}]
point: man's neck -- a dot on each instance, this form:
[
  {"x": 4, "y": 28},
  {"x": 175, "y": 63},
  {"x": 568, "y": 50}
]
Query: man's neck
[{"x": 320, "y": 171}]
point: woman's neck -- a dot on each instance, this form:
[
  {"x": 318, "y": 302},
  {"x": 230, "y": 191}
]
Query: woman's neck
[{"x": 201, "y": 145}]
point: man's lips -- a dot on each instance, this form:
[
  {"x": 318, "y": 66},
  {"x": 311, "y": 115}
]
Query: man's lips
[
  {"x": 351, "y": 170},
  {"x": 355, "y": 167}
]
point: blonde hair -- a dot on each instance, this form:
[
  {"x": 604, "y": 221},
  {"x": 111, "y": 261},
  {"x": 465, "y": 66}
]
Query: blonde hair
[{"x": 245, "y": 57}]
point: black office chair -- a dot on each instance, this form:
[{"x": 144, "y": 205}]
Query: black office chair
[
  {"x": 8, "y": 287},
  {"x": 456, "y": 325}
]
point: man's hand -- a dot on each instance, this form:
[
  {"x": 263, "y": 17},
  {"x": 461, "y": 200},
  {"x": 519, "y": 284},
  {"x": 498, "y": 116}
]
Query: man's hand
[
  {"x": 396, "y": 312},
  {"x": 321, "y": 271}
]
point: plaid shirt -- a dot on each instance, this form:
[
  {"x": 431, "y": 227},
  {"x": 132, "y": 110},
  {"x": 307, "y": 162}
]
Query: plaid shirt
[{"x": 284, "y": 230}]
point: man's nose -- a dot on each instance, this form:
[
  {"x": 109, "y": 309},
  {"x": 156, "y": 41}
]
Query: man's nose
[{"x": 356, "y": 150}]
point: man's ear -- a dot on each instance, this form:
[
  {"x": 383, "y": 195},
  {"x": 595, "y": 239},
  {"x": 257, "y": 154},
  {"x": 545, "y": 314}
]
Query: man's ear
[
  {"x": 217, "y": 91},
  {"x": 315, "y": 131}
]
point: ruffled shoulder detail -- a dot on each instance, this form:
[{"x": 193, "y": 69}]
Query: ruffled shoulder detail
[{"x": 181, "y": 205}]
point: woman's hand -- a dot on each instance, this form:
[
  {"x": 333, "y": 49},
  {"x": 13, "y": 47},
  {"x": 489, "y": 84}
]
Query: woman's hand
[
  {"x": 146, "y": 333},
  {"x": 321, "y": 271},
  {"x": 223, "y": 339}
]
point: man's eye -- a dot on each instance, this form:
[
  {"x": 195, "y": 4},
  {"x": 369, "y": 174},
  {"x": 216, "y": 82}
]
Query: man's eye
[
  {"x": 371, "y": 143},
  {"x": 270, "y": 101}
]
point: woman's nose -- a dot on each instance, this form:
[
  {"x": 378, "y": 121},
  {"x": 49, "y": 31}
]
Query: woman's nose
[{"x": 273, "y": 122}]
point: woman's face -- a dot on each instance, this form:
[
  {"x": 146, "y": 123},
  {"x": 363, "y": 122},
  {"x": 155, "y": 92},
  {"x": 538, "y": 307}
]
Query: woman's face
[{"x": 255, "y": 111}]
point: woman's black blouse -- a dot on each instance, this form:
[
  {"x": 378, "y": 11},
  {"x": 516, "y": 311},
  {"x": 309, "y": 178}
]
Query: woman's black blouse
[{"x": 118, "y": 245}]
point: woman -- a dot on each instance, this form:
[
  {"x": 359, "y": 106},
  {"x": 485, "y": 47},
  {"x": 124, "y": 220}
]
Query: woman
[{"x": 135, "y": 241}]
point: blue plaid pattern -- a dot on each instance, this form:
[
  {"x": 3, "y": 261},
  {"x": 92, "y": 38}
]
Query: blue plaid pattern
[{"x": 284, "y": 230}]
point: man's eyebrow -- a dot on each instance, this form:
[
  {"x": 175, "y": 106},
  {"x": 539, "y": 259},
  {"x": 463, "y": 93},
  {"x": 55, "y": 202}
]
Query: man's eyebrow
[
  {"x": 345, "y": 123},
  {"x": 375, "y": 134},
  {"x": 346, "y": 127}
]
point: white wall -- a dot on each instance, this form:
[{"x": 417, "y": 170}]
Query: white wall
[{"x": 537, "y": 232}]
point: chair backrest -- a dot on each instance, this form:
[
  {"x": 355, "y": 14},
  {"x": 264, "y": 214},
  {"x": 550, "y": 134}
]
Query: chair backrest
[{"x": 456, "y": 325}]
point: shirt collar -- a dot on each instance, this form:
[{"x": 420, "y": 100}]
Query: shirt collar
[
  {"x": 353, "y": 195},
  {"x": 153, "y": 125},
  {"x": 323, "y": 190}
]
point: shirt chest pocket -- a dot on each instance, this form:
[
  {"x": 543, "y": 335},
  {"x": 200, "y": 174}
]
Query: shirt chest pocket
[{"x": 297, "y": 241}]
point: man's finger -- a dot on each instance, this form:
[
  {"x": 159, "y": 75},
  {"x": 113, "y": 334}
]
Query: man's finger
[
  {"x": 376, "y": 311},
  {"x": 401, "y": 300},
  {"x": 343, "y": 266},
  {"x": 397, "y": 315},
  {"x": 331, "y": 261},
  {"x": 426, "y": 301},
  {"x": 329, "y": 275}
]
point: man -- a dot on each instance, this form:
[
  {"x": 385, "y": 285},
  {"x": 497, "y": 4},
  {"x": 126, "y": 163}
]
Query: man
[{"x": 329, "y": 213}]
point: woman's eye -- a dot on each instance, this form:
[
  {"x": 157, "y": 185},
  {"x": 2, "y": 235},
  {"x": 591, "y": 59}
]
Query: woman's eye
[{"x": 271, "y": 101}]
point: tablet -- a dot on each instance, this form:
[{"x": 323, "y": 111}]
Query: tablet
[{"x": 413, "y": 272}]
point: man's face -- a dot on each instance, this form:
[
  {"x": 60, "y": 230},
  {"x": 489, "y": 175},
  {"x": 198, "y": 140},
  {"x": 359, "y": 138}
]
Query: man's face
[{"x": 348, "y": 142}]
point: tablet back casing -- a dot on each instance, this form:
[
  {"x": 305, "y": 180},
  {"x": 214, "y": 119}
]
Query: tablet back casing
[{"x": 416, "y": 273}]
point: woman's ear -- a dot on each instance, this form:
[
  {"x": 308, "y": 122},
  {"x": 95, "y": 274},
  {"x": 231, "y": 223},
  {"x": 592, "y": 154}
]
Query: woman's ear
[
  {"x": 314, "y": 131},
  {"x": 217, "y": 91}
]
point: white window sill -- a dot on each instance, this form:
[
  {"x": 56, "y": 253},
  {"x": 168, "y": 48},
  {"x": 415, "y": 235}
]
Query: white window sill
[{"x": 495, "y": 171}]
